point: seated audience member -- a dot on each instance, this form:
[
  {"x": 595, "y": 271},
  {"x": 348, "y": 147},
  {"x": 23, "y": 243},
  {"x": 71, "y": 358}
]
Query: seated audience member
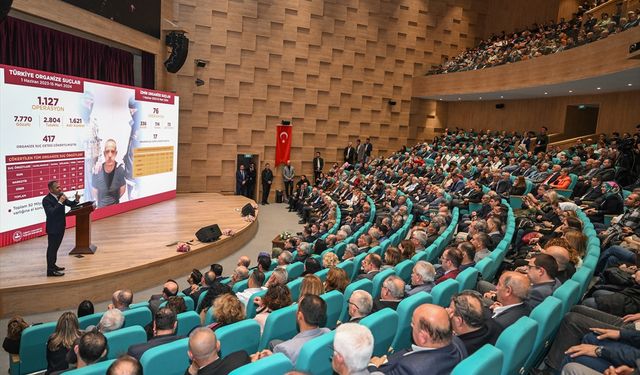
[
  {"x": 164, "y": 328},
  {"x": 352, "y": 348},
  {"x": 264, "y": 262},
  {"x": 493, "y": 231},
  {"x": 350, "y": 251},
  {"x": 11, "y": 343},
  {"x": 450, "y": 261},
  {"x": 85, "y": 308},
  {"x": 285, "y": 258},
  {"x": 422, "y": 278},
  {"x": 121, "y": 299},
  {"x": 468, "y": 251},
  {"x": 541, "y": 270},
  {"x": 213, "y": 289},
  {"x": 407, "y": 249},
  {"x": 111, "y": 320},
  {"x": 360, "y": 305},
  {"x": 330, "y": 260},
  {"x": 337, "y": 279},
  {"x": 435, "y": 349},
  {"x": 370, "y": 266},
  {"x": 481, "y": 242},
  {"x": 611, "y": 203},
  {"x": 244, "y": 261},
  {"x": 125, "y": 365},
  {"x": 195, "y": 282},
  {"x": 227, "y": 309},
  {"x": 311, "y": 266},
  {"x": 579, "y": 322},
  {"x": 277, "y": 297},
  {"x": 61, "y": 342},
  {"x": 563, "y": 181},
  {"x": 604, "y": 349},
  {"x": 312, "y": 314},
  {"x": 391, "y": 258},
  {"x": 239, "y": 274},
  {"x": 311, "y": 284},
  {"x": 562, "y": 256},
  {"x": 469, "y": 322},
  {"x": 254, "y": 285},
  {"x": 279, "y": 276},
  {"x": 90, "y": 349},
  {"x": 304, "y": 251},
  {"x": 391, "y": 293},
  {"x": 203, "y": 353},
  {"x": 510, "y": 294},
  {"x": 217, "y": 269},
  {"x": 170, "y": 288},
  {"x": 622, "y": 301}
]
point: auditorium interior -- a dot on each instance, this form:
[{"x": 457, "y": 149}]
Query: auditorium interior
[{"x": 465, "y": 195}]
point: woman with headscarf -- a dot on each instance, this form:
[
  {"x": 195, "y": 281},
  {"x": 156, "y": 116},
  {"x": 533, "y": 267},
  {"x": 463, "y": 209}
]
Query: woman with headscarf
[{"x": 611, "y": 203}]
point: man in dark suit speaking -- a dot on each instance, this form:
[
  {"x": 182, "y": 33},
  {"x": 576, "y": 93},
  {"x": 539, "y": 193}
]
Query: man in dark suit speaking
[{"x": 53, "y": 204}]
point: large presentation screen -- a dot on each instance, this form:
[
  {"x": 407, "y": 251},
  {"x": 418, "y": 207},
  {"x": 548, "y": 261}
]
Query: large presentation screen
[{"x": 115, "y": 145}]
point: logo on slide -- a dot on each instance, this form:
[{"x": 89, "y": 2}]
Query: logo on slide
[{"x": 17, "y": 236}]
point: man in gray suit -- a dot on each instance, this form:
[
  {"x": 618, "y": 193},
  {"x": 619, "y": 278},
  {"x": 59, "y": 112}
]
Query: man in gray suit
[
  {"x": 422, "y": 278},
  {"x": 542, "y": 270},
  {"x": 311, "y": 315},
  {"x": 361, "y": 151}
]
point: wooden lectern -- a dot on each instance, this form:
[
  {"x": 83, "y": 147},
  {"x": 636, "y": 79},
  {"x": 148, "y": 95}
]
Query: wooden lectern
[{"x": 83, "y": 229}]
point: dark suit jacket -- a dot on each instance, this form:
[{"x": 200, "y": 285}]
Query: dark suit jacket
[
  {"x": 383, "y": 304},
  {"x": 369, "y": 275},
  {"x": 487, "y": 334},
  {"x": 315, "y": 164},
  {"x": 508, "y": 317},
  {"x": 538, "y": 292},
  {"x": 138, "y": 350},
  {"x": 225, "y": 365},
  {"x": 55, "y": 213},
  {"x": 437, "y": 361},
  {"x": 351, "y": 151}
]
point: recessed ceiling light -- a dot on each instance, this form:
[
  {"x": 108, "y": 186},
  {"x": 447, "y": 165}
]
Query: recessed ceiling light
[
  {"x": 629, "y": 84},
  {"x": 570, "y": 91},
  {"x": 598, "y": 88},
  {"x": 459, "y": 98},
  {"x": 546, "y": 93},
  {"x": 501, "y": 97},
  {"x": 480, "y": 98}
]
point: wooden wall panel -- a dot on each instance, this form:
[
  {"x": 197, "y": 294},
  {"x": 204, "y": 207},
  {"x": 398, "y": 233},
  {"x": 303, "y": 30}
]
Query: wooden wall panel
[
  {"x": 513, "y": 15},
  {"x": 618, "y": 112},
  {"x": 329, "y": 66}
]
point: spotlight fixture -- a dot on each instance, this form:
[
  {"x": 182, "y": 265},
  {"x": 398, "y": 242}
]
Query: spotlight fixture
[
  {"x": 598, "y": 88},
  {"x": 201, "y": 63},
  {"x": 199, "y": 82},
  {"x": 392, "y": 102},
  {"x": 546, "y": 93}
]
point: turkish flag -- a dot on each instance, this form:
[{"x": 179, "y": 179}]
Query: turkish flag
[{"x": 283, "y": 144}]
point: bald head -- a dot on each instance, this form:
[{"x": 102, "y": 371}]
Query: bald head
[
  {"x": 203, "y": 346},
  {"x": 244, "y": 261},
  {"x": 431, "y": 326},
  {"x": 512, "y": 288},
  {"x": 560, "y": 254},
  {"x": 125, "y": 365}
]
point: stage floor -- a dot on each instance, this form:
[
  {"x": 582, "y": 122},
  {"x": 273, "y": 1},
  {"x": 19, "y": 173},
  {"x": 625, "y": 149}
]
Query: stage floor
[{"x": 133, "y": 253}]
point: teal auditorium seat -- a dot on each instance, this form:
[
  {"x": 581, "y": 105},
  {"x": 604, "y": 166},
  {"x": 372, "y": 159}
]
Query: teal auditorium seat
[
  {"x": 548, "y": 315},
  {"x": 201, "y": 298},
  {"x": 383, "y": 325},
  {"x": 467, "y": 279},
  {"x": 274, "y": 364},
  {"x": 33, "y": 347},
  {"x": 240, "y": 286},
  {"x": 443, "y": 292},
  {"x": 485, "y": 267},
  {"x": 357, "y": 264},
  {"x": 334, "y": 300},
  {"x": 167, "y": 359},
  {"x": 294, "y": 287},
  {"x": 315, "y": 355},
  {"x": 486, "y": 360},
  {"x": 186, "y": 322},
  {"x": 99, "y": 368},
  {"x": 348, "y": 267},
  {"x": 583, "y": 277},
  {"x": 251, "y": 307},
  {"x": 90, "y": 320},
  {"x": 339, "y": 249},
  {"x": 405, "y": 311},
  {"x": 569, "y": 294},
  {"x": 322, "y": 274},
  {"x": 295, "y": 270},
  {"x": 137, "y": 317},
  {"x": 120, "y": 340},
  {"x": 280, "y": 324},
  {"x": 209, "y": 317},
  {"x": 378, "y": 279},
  {"x": 404, "y": 269},
  {"x": 139, "y": 304},
  {"x": 364, "y": 284},
  {"x": 242, "y": 335},
  {"x": 516, "y": 343}
]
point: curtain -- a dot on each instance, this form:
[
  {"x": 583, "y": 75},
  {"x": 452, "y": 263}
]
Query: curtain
[
  {"x": 33, "y": 46},
  {"x": 148, "y": 70}
]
